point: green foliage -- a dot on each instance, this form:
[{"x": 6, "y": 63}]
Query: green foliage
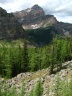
[
  {"x": 45, "y": 57},
  {"x": 33, "y": 60},
  {"x": 14, "y": 60},
  {"x": 4, "y": 91},
  {"x": 31, "y": 92},
  {"x": 25, "y": 59},
  {"x": 63, "y": 87},
  {"x": 39, "y": 89},
  {"x": 23, "y": 90},
  {"x": 40, "y": 36}
]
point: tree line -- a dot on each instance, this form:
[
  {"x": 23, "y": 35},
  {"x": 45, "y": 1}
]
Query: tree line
[{"x": 15, "y": 60}]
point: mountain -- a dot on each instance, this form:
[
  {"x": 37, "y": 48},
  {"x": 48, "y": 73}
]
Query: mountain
[
  {"x": 34, "y": 17},
  {"x": 10, "y": 28},
  {"x": 40, "y": 27}
]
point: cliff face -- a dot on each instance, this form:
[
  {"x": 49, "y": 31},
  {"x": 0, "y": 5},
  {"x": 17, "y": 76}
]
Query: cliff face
[
  {"x": 34, "y": 17},
  {"x": 30, "y": 14},
  {"x": 9, "y": 26}
]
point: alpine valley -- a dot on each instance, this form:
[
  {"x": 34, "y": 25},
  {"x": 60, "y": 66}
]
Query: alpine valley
[{"x": 35, "y": 54}]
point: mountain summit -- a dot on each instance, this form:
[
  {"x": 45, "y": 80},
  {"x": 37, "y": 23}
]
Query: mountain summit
[
  {"x": 33, "y": 11},
  {"x": 36, "y": 7},
  {"x": 34, "y": 17},
  {"x": 42, "y": 27},
  {"x": 37, "y": 11}
]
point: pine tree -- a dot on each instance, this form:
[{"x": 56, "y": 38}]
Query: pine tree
[
  {"x": 70, "y": 48},
  {"x": 67, "y": 50},
  {"x": 25, "y": 58},
  {"x": 1, "y": 65},
  {"x": 33, "y": 60},
  {"x": 14, "y": 61},
  {"x": 45, "y": 57},
  {"x": 55, "y": 51},
  {"x": 60, "y": 59},
  {"x": 51, "y": 60},
  {"x": 59, "y": 54},
  {"x": 19, "y": 59},
  {"x": 8, "y": 64},
  {"x": 3, "y": 61}
]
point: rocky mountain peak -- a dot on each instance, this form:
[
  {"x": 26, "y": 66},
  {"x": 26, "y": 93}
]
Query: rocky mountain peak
[
  {"x": 34, "y": 17},
  {"x": 28, "y": 14},
  {"x": 37, "y": 7}
]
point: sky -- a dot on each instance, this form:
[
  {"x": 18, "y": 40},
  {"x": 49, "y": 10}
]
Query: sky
[{"x": 61, "y": 9}]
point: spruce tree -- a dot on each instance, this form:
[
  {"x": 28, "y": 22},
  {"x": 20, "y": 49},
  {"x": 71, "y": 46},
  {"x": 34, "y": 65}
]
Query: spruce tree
[
  {"x": 1, "y": 65},
  {"x": 45, "y": 57},
  {"x": 19, "y": 59},
  {"x": 3, "y": 61},
  {"x": 8, "y": 64},
  {"x": 25, "y": 58},
  {"x": 33, "y": 60},
  {"x": 51, "y": 60}
]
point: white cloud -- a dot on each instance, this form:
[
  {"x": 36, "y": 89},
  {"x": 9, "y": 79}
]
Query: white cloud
[
  {"x": 61, "y": 9},
  {"x": 16, "y": 5}
]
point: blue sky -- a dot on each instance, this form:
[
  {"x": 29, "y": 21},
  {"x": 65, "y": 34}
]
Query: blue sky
[{"x": 61, "y": 9}]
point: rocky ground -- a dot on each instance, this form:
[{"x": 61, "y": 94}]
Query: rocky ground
[{"x": 31, "y": 78}]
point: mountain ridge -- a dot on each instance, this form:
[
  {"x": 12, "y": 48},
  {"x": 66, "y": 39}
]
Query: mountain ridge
[
  {"x": 33, "y": 22},
  {"x": 41, "y": 27},
  {"x": 34, "y": 17},
  {"x": 10, "y": 28}
]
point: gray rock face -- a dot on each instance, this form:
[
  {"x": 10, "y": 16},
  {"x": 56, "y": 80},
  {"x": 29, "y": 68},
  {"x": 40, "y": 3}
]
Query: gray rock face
[
  {"x": 30, "y": 14},
  {"x": 34, "y": 17},
  {"x": 9, "y": 26}
]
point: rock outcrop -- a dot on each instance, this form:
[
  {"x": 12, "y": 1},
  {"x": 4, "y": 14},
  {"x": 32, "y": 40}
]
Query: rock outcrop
[{"x": 49, "y": 81}]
